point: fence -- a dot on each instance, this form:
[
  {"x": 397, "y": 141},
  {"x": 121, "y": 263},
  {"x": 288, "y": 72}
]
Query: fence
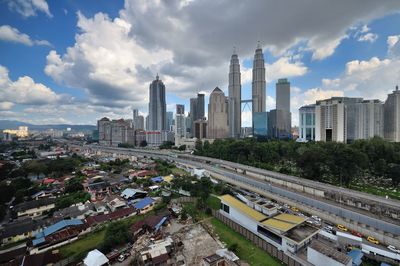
[
  {"x": 259, "y": 242},
  {"x": 184, "y": 200}
]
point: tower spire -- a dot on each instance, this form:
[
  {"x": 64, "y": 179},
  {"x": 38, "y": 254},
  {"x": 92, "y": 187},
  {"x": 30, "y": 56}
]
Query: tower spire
[
  {"x": 258, "y": 45},
  {"x": 234, "y": 50},
  {"x": 157, "y": 77}
]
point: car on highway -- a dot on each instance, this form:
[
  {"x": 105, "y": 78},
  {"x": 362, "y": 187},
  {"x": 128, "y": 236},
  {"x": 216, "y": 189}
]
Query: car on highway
[
  {"x": 316, "y": 218},
  {"x": 355, "y": 233},
  {"x": 393, "y": 248},
  {"x": 342, "y": 228},
  {"x": 294, "y": 209},
  {"x": 372, "y": 240}
]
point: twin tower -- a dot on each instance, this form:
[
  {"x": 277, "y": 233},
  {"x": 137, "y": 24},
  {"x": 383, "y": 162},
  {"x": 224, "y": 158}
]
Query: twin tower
[{"x": 235, "y": 90}]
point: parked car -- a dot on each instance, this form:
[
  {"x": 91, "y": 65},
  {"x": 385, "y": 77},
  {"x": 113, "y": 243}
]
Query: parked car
[
  {"x": 342, "y": 228},
  {"x": 355, "y": 233},
  {"x": 393, "y": 248},
  {"x": 372, "y": 240},
  {"x": 121, "y": 257}
]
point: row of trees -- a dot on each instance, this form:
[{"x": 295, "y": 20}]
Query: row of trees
[{"x": 322, "y": 161}]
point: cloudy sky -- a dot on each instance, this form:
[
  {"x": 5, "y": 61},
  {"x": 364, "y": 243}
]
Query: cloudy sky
[{"x": 77, "y": 61}]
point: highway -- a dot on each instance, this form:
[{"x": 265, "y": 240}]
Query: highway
[{"x": 270, "y": 188}]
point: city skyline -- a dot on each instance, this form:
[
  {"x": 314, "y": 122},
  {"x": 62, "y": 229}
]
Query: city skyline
[{"x": 358, "y": 59}]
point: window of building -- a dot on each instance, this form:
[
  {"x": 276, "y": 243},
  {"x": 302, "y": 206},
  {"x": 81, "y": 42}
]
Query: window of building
[{"x": 225, "y": 208}]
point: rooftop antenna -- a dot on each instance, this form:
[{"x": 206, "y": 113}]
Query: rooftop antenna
[
  {"x": 157, "y": 77},
  {"x": 397, "y": 87}
]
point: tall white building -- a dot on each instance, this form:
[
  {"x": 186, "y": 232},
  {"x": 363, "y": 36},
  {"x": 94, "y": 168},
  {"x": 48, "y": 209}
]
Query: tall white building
[
  {"x": 307, "y": 122},
  {"x": 258, "y": 84},
  {"x": 138, "y": 120},
  {"x": 218, "y": 115},
  {"x": 235, "y": 97},
  {"x": 333, "y": 120},
  {"x": 180, "y": 121},
  {"x": 157, "y": 119},
  {"x": 392, "y": 116},
  {"x": 370, "y": 119}
]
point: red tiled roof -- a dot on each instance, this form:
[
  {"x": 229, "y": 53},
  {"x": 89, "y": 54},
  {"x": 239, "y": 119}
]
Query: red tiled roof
[{"x": 98, "y": 219}]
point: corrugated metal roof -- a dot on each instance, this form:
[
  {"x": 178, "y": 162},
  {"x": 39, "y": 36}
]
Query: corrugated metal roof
[
  {"x": 284, "y": 222},
  {"x": 237, "y": 204},
  {"x": 130, "y": 192},
  {"x": 58, "y": 226},
  {"x": 143, "y": 203}
]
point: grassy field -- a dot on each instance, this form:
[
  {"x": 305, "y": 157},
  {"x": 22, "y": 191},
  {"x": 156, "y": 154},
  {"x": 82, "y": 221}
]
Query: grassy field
[
  {"x": 246, "y": 250},
  {"x": 80, "y": 247},
  {"x": 378, "y": 190},
  {"x": 178, "y": 172}
]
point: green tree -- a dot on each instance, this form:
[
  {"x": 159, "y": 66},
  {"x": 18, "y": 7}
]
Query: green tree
[
  {"x": 117, "y": 233},
  {"x": 393, "y": 172},
  {"x": 143, "y": 143}
]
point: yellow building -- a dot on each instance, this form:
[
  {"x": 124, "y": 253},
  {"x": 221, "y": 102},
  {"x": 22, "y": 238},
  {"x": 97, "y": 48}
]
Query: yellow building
[{"x": 21, "y": 132}]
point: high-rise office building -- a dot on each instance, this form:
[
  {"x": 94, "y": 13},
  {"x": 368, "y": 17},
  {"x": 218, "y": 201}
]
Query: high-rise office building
[
  {"x": 218, "y": 115},
  {"x": 392, "y": 116},
  {"x": 260, "y": 124},
  {"x": 235, "y": 97},
  {"x": 283, "y": 95},
  {"x": 180, "y": 125},
  {"x": 335, "y": 119},
  {"x": 258, "y": 84},
  {"x": 280, "y": 119},
  {"x": 180, "y": 109},
  {"x": 138, "y": 120},
  {"x": 307, "y": 122},
  {"x": 157, "y": 106},
  {"x": 200, "y": 106},
  {"x": 170, "y": 120}
]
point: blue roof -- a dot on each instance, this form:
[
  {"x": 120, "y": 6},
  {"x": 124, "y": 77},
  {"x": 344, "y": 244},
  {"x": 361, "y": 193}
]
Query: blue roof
[
  {"x": 38, "y": 241},
  {"x": 161, "y": 223},
  {"x": 143, "y": 203},
  {"x": 130, "y": 192},
  {"x": 57, "y": 226},
  {"x": 356, "y": 255},
  {"x": 157, "y": 179}
]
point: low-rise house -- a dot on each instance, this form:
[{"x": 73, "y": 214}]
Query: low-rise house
[
  {"x": 149, "y": 224},
  {"x": 46, "y": 194},
  {"x": 114, "y": 202},
  {"x": 132, "y": 193},
  {"x": 158, "y": 253},
  {"x": 213, "y": 260},
  {"x": 142, "y": 173},
  {"x": 34, "y": 208},
  {"x": 78, "y": 211},
  {"x": 57, "y": 234},
  {"x": 101, "y": 207},
  {"x": 20, "y": 230},
  {"x": 92, "y": 221},
  {"x": 144, "y": 204},
  {"x": 97, "y": 189}
]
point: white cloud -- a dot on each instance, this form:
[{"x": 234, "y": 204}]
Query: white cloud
[
  {"x": 6, "y": 105},
  {"x": 370, "y": 79},
  {"x": 325, "y": 47},
  {"x": 114, "y": 71},
  {"x": 369, "y": 37},
  {"x": 393, "y": 45},
  {"x": 283, "y": 68},
  {"x": 24, "y": 90},
  {"x": 29, "y": 8},
  {"x": 8, "y": 33}
]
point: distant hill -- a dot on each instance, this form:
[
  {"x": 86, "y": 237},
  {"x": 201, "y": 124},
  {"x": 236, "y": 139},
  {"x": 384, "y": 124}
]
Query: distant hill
[{"x": 12, "y": 124}]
